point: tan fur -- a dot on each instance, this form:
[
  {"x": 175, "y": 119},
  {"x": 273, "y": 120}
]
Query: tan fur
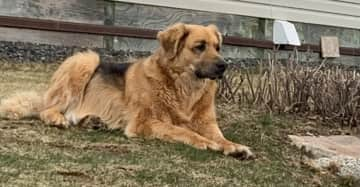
[
  {"x": 21, "y": 105},
  {"x": 160, "y": 98},
  {"x": 67, "y": 87}
]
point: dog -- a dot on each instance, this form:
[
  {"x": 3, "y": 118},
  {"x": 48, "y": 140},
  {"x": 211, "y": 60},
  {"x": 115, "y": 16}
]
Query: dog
[{"x": 169, "y": 95}]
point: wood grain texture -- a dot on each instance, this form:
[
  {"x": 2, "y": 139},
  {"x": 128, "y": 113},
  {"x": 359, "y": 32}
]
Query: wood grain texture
[
  {"x": 152, "y": 17},
  {"x": 311, "y": 34},
  {"x": 84, "y": 11},
  {"x": 52, "y": 38},
  {"x": 326, "y": 12},
  {"x": 347, "y": 37},
  {"x": 135, "y": 44}
]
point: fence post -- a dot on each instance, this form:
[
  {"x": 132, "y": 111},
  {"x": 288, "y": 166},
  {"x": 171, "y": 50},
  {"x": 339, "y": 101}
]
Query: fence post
[{"x": 109, "y": 10}]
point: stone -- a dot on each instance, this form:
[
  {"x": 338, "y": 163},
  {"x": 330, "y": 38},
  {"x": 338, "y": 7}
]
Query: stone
[
  {"x": 347, "y": 166},
  {"x": 19, "y": 52},
  {"x": 341, "y": 150},
  {"x": 22, "y": 52}
]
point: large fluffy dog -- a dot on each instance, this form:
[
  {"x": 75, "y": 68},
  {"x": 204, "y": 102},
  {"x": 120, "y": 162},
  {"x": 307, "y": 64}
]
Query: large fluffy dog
[{"x": 169, "y": 95}]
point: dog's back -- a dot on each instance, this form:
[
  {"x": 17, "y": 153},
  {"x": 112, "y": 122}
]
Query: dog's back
[
  {"x": 112, "y": 73},
  {"x": 103, "y": 96}
]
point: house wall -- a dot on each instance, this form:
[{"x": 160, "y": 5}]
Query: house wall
[
  {"x": 339, "y": 13},
  {"x": 242, "y": 18}
]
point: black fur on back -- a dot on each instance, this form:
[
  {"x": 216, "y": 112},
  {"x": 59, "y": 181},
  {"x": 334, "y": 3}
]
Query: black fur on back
[
  {"x": 113, "y": 73},
  {"x": 113, "y": 68}
]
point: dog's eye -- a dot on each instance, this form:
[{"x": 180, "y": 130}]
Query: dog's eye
[{"x": 201, "y": 47}]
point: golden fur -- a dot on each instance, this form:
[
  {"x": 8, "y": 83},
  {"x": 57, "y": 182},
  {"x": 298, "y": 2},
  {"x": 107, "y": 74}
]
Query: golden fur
[{"x": 169, "y": 95}]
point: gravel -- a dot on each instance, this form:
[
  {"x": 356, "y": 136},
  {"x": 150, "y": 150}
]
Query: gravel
[
  {"x": 20, "y": 52},
  {"x": 348, "y": 166}
]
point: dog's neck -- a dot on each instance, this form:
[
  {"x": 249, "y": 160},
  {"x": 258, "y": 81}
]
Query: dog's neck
[
  {"x": 172, "y": 71},
  {"x": 164, "y": 70}
]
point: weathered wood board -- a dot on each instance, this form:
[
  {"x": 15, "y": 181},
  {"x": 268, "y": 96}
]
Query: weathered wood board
[
  {"x": 83, "y": 11},
  {"x": 151, "y": 17},
  {"x": 53, "y": 38}
]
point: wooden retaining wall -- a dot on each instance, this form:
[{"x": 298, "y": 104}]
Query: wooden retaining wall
[{"x": 152, "y": 17}]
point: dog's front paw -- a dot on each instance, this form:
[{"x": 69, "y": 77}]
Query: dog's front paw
[
  {"x": 54, "y": 119},
  {"x": 239, "y": 151},
  {"x": 206, "y": 144},
  {"x": 60, "y": 121}
]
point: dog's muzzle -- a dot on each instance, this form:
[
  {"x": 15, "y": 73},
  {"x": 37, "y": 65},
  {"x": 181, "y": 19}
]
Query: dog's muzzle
[
  {"x": 212, "y": 70},
  {"x": 220, "y": 68}
]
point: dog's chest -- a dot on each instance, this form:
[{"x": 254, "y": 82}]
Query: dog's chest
[
  {"x": 179, "y": 98},
  {"x": 188, "y": 97}
]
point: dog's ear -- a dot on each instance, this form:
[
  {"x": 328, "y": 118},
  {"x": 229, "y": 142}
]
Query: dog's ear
[
  {"x": 171, "y": 39},
  {"x": 218, "y": 34}
]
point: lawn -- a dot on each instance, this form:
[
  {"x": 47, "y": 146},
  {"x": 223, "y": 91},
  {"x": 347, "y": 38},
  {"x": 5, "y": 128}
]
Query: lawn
[{"x": 33, "y": 154}]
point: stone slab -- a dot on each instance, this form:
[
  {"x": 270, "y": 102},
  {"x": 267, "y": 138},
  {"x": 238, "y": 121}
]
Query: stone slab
[
  {"x": 326, "y": 146},
  {"x": 342, "y": 151}
]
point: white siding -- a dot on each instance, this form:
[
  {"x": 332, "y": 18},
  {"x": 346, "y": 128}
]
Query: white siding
[{"x": 341, "y": 13}]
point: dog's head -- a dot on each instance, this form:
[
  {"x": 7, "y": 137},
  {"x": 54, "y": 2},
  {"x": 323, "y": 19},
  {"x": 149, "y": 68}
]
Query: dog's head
[{"x": 194, "y": 49}]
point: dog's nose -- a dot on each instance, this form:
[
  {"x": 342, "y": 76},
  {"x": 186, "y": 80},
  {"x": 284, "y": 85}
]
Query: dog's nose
[{"x": 221, "y": 65}]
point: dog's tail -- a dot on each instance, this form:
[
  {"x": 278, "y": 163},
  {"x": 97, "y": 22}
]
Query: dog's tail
[{"x": 21, "y": 105}]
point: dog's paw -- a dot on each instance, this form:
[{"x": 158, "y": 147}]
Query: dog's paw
[
  {"x": 61, "y": 122},
  {"x": 55, "y": 119},
  {"x": 206, "y": 144},
  {"x": 241, "y": 152}
]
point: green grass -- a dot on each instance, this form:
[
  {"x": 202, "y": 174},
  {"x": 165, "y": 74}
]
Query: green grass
[
  {"x": 32, "y": 154},
  {"x": 266, "y": 120}
]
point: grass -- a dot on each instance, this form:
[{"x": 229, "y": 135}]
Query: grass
[{"x": 32, "y": 154}]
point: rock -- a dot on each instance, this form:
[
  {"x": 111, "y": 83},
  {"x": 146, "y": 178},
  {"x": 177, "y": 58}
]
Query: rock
[
  {"x": 329, "y": 151},
  {"x": 20, "y": 52},
  {"x": 347, "y": 166},
  {"x": 327, "y": 146}
]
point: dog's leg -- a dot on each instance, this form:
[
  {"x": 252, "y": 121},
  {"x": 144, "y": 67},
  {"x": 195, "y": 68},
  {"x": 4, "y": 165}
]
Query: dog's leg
[
  {"x": 204, "y": 122},
  {"x": 52, "y": 116},
  {"x": 210, "y": 130},
  {"x": 171, "y": 133}
]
